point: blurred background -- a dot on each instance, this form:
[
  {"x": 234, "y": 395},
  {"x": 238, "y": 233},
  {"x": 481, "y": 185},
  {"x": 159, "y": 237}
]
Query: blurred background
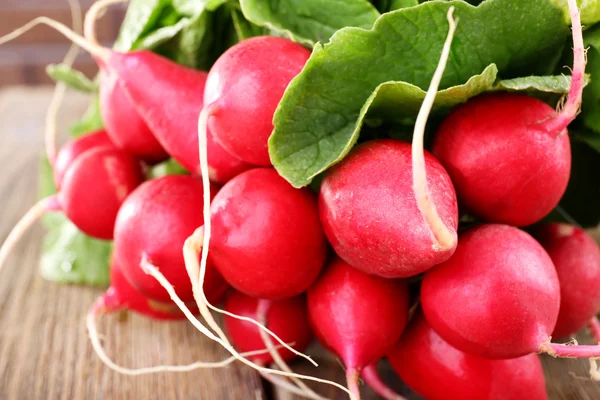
[{"x": 23, "y": 60}]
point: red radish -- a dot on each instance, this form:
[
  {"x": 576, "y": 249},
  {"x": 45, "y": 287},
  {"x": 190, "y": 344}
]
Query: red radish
[
  {"x": 498, "y": 296},
  {"x": 151, "y": 226},
  {"x": 389, "y": 208},
  {"x": 288, "y": 319},
  {"x": 266, "y": 240},
  {"x": 74, "y": 148},
  {"x": 94, "y": 187},
  {"x": 371, "y": 216},
  {"x": 439, "y": 371},
  {"x": 576, "y": 256},
  {"x": 243, "y": 90},
  {"x": 357, "y": 316},
  {"x": 509, "y": 154},
  {"x": 123, "y": 123}
]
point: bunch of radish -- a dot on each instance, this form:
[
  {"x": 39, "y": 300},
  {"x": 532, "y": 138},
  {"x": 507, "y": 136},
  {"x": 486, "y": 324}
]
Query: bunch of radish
[{"x": 291, "y": 264}]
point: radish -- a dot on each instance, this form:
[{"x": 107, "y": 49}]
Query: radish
[
  {"x": 357, "y": 316},
  {"x": 267, "y": 240},
  {"x": 123, "y": 123},
  {"x": 373, "y": 380},
  {"x": 243, "y": 90},
  {"x": 576, "y": 257},
  {"x": 498, "y": 296},
  {"x": 509, "y": 154},
  {"x": 91, "y": 191},
  {"x": 288, "y": 319},
  {"x": 151, "y": 227},
  {"x": 438, "y": 371},
  {"x": 389, "y": 209},
  {"x": 74, "y": 148}
]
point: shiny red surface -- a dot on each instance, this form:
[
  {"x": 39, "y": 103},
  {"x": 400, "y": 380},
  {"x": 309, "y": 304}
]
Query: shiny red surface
[
  {"x": 169, "y": 97},
  {"x": 244, "y": 88},
  {"x": 357, "y": 316},
  {"x": 438, "y": 371},
  {"x": 370, "y": 215},
  {"x": 288, "y": 319},
  {"x": 155, "y": 221},
  {"x": 266, "y": 240},
  {"x": 505, "y": 167},
  {"x": 74, "y": 148},
  {"x": 95, "y": 186},
  {"x": 576, "y": 256},
  {"x": 498, "y": 296},
  {"x": 123, "y": 123}
]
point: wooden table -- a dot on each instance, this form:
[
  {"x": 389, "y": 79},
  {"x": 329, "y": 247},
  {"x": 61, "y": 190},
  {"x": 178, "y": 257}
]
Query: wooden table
[{"x": 44, "y": 350}]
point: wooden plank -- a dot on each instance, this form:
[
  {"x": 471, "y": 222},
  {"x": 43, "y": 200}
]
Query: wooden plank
[{"x": 44, "y": 350}]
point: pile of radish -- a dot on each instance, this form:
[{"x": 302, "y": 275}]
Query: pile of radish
[{"x": 375, "y": 262}]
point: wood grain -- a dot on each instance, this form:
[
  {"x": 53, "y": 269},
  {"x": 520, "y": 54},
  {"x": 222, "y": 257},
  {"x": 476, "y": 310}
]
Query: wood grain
[{"x": 44, "y": 350}]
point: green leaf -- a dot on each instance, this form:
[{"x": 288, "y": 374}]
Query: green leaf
[
  {"x": 322, "y": 109},
  {"x": 547, "y": 84},
  {"x": 169, "y": 167},
  {"x": 162, "y": 35},
  {"x": 195, "y": 7},
  {"x": 590, "y": 11},
  {"x": 398, "y": 4},
  {"x": 141, "y": 17},
  {"x": 244, "y": 28},
  {"x": 309, "y": 21},
  {"x": 580, "y": 201},
  {"x": 91, "y": 121},
  {"x": 71, "y": 77},
  {"x": 590, "y": 113},
  {"x": 69, "y": 256}
]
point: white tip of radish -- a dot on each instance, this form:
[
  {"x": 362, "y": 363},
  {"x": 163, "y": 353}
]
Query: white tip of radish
[{"x": 444, "y": 237}]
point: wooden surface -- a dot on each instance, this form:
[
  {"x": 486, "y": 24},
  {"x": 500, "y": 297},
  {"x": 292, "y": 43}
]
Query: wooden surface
[{"x": 44, "y": 350}]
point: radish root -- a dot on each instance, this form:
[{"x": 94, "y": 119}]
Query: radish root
[
  {"x": 594, "y": 326},
  {"x": 352, "y": 382},
  {"x": 40, "y": 208},
  {"x": 262, "y": 312},
  {"x": 98, "y": 51},
  {"x": 569, "y": 112},
  {"x": 154, "y": 272},
  {"x": 446, "y": 239},
  {"x": 98, "y": 310},
  {"x": 94, "y": 14},
  {"x": 61, "y": 87}
]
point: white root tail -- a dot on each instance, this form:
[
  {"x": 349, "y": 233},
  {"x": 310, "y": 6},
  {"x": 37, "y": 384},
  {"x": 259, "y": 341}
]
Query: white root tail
[
  {"x": 60, "y": 88},
  {"x": 35, "y": 212},
  {"x": 94, "y": 14},
  {"x": 97, "y": 311},
  {"x": 262, "y": 312},
  {"x": 154, "y": 272},
  {"x": 446, "y": 239},
  {"x": 98, "y": 51}
]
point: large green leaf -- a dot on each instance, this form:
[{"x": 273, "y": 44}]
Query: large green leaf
[
  {"x": 309, "y": 21},
  {"x": 318, "y": 118},
  {"x": 547, "y": 84},
  {"x": 590, "y": 11}
]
